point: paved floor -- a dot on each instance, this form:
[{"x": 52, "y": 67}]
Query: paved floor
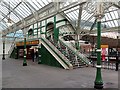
[{"x": 42, "y": 76}]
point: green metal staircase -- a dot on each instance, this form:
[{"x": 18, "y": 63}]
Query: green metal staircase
[
  {"x": 56, "y": 53},
  {"x": 73, "y": 56}
]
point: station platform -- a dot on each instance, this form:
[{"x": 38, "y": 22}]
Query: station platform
[{"x": 14, "y": 75}]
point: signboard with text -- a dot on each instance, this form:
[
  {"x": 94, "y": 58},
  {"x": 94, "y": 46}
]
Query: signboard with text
[{"x": 34, "y": 42}]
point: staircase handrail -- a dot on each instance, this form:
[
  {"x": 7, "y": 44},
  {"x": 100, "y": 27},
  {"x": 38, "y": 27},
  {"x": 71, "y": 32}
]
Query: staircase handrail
[
  {"x": 64, "y": 59},
  {"x": 81, "y": 56}
]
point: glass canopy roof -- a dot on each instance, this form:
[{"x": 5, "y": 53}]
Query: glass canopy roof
[
  {"x": 17, "y": 10},
  {"x": 111, "y": 18}
]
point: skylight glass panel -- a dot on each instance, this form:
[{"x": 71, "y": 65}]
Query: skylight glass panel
[
  {"x": 116, "y": 13},
  {"x": 73, "y": 15},
  {"x": 116, "y": 22},
  {"x": 109, "y": 24},
  {"x": 106, "y": 17},
  {"x": 83, "y": 12},
  {"x": 1, "y": 17},
  {"x": 37, "y": 5},
  {"x": 113, "y": 15},
  {"x": 4, "y": 10},
  {"x": 93, "y": 19},
  {"x": 20, "y": 12},
  {"x": 14, "y": 18},
  {"x": 85, "y": 16},
  {"x": 13, "y": 4},
  {"x": 3, "y": 24},
  {"x": 45, "y": 1},
  {"x": 41, "y": 3},
  {"x": 113, "y": 25},
  {"x": 27, "y": 8},
  {"x": 105, "y": 25},
  {"x": 70, "y": 16},
  {"x": 33, "y": 4},
  {"x": 1, "y": 27}
]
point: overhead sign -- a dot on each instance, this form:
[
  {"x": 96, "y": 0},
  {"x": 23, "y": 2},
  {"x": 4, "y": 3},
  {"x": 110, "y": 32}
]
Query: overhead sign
[
  {"x": 104, "y": 46},
  {"x": 34, "y": 42}
]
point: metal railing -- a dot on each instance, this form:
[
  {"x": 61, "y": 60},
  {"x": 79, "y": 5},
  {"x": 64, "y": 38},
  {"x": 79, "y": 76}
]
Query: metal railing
[
  {"x": 78, "y": 54},
  {"x": 107, "y": 63}
]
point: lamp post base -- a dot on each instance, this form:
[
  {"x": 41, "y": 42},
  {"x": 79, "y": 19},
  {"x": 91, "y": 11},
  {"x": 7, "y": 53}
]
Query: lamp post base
[
  {"x": 24, "y": 64},
  {"x": 98, "y": 86},
  {"x": 3, "y": 58},
  {"x": 39, "y": 62}
]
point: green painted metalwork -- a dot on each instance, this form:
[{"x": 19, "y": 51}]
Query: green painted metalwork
[
  {"x": 46, "y": 28},
  {"x": 16, "y": 53},
  {"x": 3, "y": 58},
  {"x": 13, "y": 54},
  {"x": 33, "y": 29},
  {"x": 37, "y": 29},
  {"x": 24, "y": 62},
  {"x": 56, "y": 54},
  {"x": 56, "y": 31},
  {"x": 77, "y": 45},
  {"x": 39, "y": 55},
  {"x": 40, "y": 27},
  {"x": 98, "y": 81},
  {"x": 49, "y": 59},
  {"x": 61, "y": 20}
]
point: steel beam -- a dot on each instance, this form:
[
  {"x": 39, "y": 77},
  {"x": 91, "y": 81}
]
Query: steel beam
[
  {"x": 47, "y": 7},
  {"x": 78, "y": 27}
]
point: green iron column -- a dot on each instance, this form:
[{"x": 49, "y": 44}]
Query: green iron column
[
  {"x": 98, "y": 84},
  {"x": 37, "y": 29},
  {"x": 25, "y": 62},
  {"x": 33, "y": 29},
  {"x": 3, "y": 58},
  {"x": 55, "y": 31},
  {"x": 46, "y": 28},
  {"x": 40, "y": 29},
  {"x": 16, "y": 54},
  {"x": 39, "y": 56}
]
